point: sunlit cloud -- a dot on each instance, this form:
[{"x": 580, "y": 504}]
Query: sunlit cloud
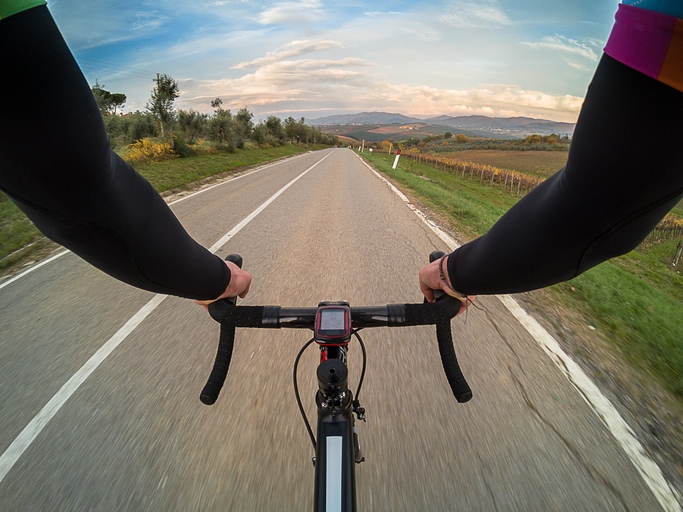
[
  {"x": 293, "y": 49},
  {"x": 301, "y": 80},
  {"x": 494, "y": 99},
  {"x": 339, "y": 84}
]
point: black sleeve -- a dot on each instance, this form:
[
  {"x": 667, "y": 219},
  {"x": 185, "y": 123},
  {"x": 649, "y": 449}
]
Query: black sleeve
[
  {"x": 624, "y": 173},
  {"x": 57, "y": 166}
]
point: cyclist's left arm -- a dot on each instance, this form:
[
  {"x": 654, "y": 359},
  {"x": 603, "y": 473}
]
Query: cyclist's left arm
[{"x": 57, "y": 165}]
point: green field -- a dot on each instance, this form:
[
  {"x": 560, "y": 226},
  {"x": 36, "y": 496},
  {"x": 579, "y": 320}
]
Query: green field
[
  {"x": 20, "y": 240},
  {"x": 637, "y": 299},
  {"x": 535, "y": 163}
]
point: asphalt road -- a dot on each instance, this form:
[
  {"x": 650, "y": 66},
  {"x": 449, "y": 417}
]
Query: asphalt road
[{"x": 134, "y": 435}]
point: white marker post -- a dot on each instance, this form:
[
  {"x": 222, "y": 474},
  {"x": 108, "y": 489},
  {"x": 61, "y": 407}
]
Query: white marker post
[{"x": 398, "y": 154}]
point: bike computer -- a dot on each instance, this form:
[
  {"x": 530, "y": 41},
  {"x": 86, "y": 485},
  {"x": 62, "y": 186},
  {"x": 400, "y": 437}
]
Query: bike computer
[{"x": 332, "y": 324}]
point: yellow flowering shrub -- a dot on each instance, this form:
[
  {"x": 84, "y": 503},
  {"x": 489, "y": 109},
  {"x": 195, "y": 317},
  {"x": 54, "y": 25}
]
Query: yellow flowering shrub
[{"x": 146, "y": 150}]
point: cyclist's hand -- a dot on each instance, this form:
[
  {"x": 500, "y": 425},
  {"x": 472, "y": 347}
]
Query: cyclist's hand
[
  {"x": 239, "y": 284},
  {"x": 430, "y": 280}
]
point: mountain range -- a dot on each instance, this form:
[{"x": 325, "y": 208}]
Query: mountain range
[{"x": 483, "y": 126}]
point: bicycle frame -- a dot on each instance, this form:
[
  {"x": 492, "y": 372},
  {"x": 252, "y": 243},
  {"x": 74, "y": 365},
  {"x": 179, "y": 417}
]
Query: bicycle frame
[{"x": 337, "y": 448}]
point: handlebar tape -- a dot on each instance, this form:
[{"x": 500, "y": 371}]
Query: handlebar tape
[
  {"x": 242, "y": 316},
  {"x": 461, "y": 390},
  {"x": 440, "y": 313},
  {"x": 220, "y": 365},
  {"x": 229, "y": 317},
  {"x": 431, "y": 313}
]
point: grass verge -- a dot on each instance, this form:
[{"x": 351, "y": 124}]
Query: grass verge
[
  {"x": 636, "y": 299},
  {"x": 178, "y": 173}
]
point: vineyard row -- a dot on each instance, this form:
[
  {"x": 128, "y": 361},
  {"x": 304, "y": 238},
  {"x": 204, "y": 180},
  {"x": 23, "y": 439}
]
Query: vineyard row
[{"x": 519, "y": 184}]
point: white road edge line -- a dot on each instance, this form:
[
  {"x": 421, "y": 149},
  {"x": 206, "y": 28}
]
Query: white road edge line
[
  {"x": 665, "y": 494},
  {"x": 38, "y": 423},
  {"x": 34, "y": 267},
  {"x": 249, "y": 173}
]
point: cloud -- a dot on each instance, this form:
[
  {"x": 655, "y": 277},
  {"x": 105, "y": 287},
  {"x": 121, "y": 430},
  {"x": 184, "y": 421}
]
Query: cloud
[
  {"x": 148, "y": 20},
  {"x": 495, "y": 99},
  {"x": 310, "y": 84},
  {"x": 88, "y": 25},
  {"x": 413, "y": 58},
  {"x": 301, "y": 80},
  {"x": 464, "y": 14},
  {"x": 293, "y": 49},
  {"x": 292, "y": 13},
  {"x": 568, "y": 46}
]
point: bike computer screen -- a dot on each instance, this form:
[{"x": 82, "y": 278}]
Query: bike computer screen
[{"x": 333, "y": 325}]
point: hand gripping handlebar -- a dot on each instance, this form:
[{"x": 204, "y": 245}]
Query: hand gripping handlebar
[{"x": 438, "y": 313}]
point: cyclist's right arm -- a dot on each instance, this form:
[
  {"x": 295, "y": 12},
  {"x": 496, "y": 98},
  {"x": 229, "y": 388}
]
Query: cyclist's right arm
[
  {"x": 623, "y": 174},
  {"x": 56, "y": 164}
]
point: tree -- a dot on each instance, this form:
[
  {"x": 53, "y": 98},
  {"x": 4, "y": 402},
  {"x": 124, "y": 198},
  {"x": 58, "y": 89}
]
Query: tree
[
  {"x": 102, "y": 97},
  {"x": 291, "y": 129},
  {"x": 118, "y": 100},
  {"x": 221, "y": 125},
  {"x": 274, "y": 128},
  {"x": 216, "y": 104},
  {"x": 244, "y": 125},
  {"x": 161, "y": 102},
  {"x": 304, "y": 132},
  {"x": 107, "y": 101},
  {"x": 447, "y": 135},
  {"x": 192, "y": 124},
  {"x": 296, "y": 130},
  {"x": 139, "y": 125},
  {"x": 260, "y": 133}
]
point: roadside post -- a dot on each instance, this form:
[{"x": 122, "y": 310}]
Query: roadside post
[{"x": 398, "y": 154}]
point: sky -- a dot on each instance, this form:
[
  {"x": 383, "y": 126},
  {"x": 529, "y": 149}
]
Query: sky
[{"x": 312, "y": 58}]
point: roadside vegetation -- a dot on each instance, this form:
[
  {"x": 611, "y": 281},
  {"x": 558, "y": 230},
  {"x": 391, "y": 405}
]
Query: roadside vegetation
[
  {"x": 449, "y": 143},
  {"x": 637, "y": 299},
  {"x": 172, "y": 149}
]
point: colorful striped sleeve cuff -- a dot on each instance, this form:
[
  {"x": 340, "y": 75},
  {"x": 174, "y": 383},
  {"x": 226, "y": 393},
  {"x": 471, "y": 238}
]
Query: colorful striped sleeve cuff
[
  {"x": 10, "y": 7},
  {"x": 649, "y": 42}
]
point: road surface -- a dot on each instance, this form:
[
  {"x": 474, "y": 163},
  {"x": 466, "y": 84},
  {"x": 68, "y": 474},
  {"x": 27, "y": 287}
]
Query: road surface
[{"x": 134, "y": 435}]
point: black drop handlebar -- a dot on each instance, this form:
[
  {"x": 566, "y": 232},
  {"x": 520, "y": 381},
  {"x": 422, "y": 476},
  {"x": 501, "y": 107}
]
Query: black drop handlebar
[{"x": 438, "y": 313}]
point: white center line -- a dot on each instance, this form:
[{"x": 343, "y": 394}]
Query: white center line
[{"x": 38, "y": 423}]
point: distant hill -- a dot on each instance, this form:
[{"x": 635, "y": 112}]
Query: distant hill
[
  {"x": 364, "y": 118},
  {"x": 481, "y": 126},
  {"x": 378, "y": 132},
  {"x": 518, "y": 126}
]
